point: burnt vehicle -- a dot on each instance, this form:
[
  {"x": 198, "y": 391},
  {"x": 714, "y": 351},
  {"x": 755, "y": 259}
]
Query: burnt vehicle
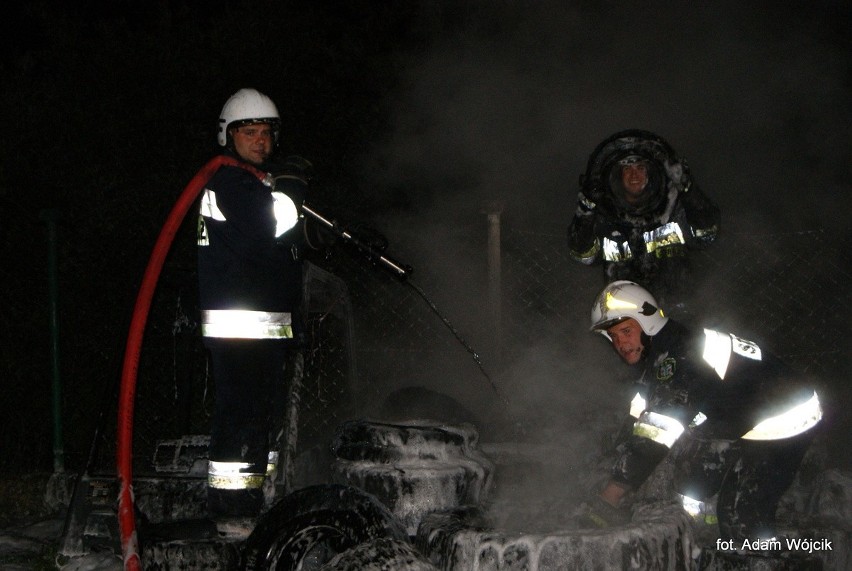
[{"x": 345, "y": 492}]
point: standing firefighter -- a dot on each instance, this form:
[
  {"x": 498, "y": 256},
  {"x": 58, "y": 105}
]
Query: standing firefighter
[
  {"x": 736, "y": 420},
  {"x": 250, "y": 288},
  {"x": 639, "y": 212}
]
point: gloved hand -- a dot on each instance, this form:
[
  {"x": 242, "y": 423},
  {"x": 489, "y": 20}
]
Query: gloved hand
[
  {"x": 597, "y": 513},
  {"x": 370, "y": 237},
  {"x": 301, "y": 167},
  {"x": 585, "y": 206}
]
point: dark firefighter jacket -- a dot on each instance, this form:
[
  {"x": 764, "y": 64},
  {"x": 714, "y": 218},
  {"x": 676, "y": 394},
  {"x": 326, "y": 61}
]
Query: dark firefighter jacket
[
  {"x": 249, "y": 237},
  {"x": 719, "y": 387}
]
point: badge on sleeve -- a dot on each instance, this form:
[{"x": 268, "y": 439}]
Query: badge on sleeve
[{"x": 666, "y": 369}]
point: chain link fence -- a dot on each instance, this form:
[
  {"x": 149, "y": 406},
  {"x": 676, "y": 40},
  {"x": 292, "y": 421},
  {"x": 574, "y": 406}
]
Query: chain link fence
[{"x": 508, "y": 319}]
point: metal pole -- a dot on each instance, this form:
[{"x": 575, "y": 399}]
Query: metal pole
[
  {"x": 50, "y": 218},
  {"x": 493, "y": 210}
]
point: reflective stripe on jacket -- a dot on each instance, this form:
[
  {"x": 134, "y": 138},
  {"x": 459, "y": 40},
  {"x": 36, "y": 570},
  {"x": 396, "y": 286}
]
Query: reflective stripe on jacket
[
  {"x": 664, "y": 241},
  {"x": 246, "y": 324},
  {"x": 230, "y": 476}
]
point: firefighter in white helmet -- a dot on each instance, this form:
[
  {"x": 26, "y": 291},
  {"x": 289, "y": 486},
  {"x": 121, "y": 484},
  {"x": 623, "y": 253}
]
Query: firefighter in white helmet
[
  {"x": 736, "y": 420},
  {"x": 250, "y": 288},
  {"x": 640, "y": 213}
]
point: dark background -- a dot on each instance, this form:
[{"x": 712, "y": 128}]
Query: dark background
[{"x": 410, "y": 111}]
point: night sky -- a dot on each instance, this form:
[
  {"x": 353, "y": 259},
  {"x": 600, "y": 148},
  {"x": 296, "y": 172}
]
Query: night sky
[{"x": 420, "y": 110}]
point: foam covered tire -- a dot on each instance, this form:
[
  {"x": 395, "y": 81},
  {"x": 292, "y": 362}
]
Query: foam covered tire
[
  {"x": 658, "y": 537},
  {"x": 309, "y": 527},
  {"x": 380, "y": 555}
]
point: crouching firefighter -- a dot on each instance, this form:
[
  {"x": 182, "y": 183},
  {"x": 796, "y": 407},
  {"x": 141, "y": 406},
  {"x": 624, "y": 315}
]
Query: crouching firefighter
[
  {"x": 735, "y": 420},
  {"x": 250, "y": 232}
]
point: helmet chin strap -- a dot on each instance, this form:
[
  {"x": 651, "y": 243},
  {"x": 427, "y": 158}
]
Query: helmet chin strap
[{"x": 646, "y": 345}]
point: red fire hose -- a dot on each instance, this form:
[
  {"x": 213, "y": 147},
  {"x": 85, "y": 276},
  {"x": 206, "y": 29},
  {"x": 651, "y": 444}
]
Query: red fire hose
[{"x": 127, "y": 391}]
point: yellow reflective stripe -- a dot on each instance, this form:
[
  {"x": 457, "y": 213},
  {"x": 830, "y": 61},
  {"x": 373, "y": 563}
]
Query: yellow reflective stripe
[
  {"x": 246, "y": 324},
  {"x": 588, "y": 256},
  {"x": 272, "y": 461},
  {"x": 660, "y": 428},
  {"x": 236, "y": 481},
  {"x": 790, "y": 423},
  {"x": 229, "y": 476},
  {"x": 665, "y": 236},
  {"x": 637, "y": 406},
  {"x": 612, "y": 252}
]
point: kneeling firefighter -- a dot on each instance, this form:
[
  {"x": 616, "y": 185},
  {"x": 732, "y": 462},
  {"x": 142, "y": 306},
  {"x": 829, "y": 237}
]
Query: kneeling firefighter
[{"x": 736, "y": 421}]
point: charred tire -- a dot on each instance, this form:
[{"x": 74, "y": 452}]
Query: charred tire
[
  {"x": 309, "y": 527},
  {"x": 380, "y": 555},
  {"x": 658, "y": 537}
]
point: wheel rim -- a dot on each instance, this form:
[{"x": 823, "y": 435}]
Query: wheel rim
[{"x": 307, "y": 550}]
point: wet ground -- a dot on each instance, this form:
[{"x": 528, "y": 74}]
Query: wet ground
[{"x": 30, "y": 546}]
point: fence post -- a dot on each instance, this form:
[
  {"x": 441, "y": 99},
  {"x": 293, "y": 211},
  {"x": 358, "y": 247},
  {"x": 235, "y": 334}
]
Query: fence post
[
  {"x": 50, "y": 218},
  {"x": 493, "y": 209}
]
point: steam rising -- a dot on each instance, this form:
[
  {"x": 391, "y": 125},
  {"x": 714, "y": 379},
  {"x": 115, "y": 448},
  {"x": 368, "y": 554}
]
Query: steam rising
[{"x": 508, "y": 101}]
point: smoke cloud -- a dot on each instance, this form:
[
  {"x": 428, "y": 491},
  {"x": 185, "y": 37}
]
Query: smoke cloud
[{"x": 509, "y": 99}]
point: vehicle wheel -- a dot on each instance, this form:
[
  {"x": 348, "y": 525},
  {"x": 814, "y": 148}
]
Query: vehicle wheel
[
  {"x": 658, "y": 537},
  {"x": 309, "y": 527},
  {"x": 380, "y": 555},
  {"x": 413, "y": 467}
]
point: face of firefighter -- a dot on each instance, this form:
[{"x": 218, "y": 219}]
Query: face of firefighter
[
  {"x": 253, "y": 142},
  {"x": 634, "y": 178},
  {"x": 627, "y": 340}
]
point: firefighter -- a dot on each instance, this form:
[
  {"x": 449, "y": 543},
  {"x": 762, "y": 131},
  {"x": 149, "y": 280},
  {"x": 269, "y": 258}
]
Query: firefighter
[
  {"x": 735, "y": 420},
  {"x": 639, "y": 212},
  {"x": 250, "y": 288}
]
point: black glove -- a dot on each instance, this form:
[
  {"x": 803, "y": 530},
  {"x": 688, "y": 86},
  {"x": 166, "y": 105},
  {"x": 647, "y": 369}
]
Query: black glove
[
  {"x": 370, "y": 237},
  {"x": 597, "y": 513},
  {"x": 300, "y": 167},
  {"x": 585, "y": 206}
]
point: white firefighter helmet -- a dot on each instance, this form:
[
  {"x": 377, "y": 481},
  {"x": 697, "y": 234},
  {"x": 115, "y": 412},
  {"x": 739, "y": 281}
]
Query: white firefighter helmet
[
  {"x": 247, "y": 107},
  {"x": 632, "y": 160},
  {"x": 624, "y": 299}
]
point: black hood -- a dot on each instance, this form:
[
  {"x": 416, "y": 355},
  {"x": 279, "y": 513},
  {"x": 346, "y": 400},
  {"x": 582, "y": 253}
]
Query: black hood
[{"x": 667, "y": 173}]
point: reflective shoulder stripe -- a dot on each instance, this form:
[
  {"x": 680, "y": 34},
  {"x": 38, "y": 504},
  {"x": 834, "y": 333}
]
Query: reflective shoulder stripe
[
  {"x": 613, "y": 252},
  {"x": 208, "y": 207},
  {"x": 246, "y": 324},
  {"x": 286, "y": 213},
  {"x": 284, "y": 209},
  {"x": 719, "y": 346},
  {"x": 660, "y": 428},
  {"x": 717, "y": 351},
  {"x": 637, "y": 406},
  {"x": 231, "y": 476},
  {"x": 790, "y": 423}
]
